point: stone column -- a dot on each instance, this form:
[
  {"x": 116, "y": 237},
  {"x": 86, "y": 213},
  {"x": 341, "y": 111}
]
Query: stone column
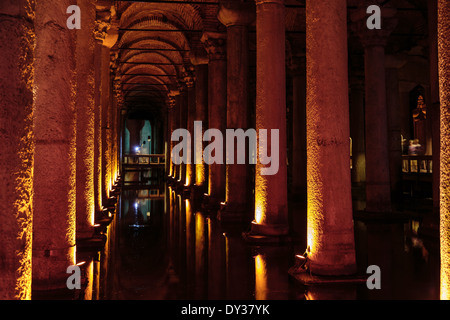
[
  {"x": 201, "y": 114},
  {"x": 297, "y": 68},
  {"x": 444, "y": 88},
  {"x": 378, "y": 193},
  {"x": 357, "y": 130},
  {"x": 55, "y": 150},
  {"x": 85, "y": 110},
  {"x": 170, "y": 129},
  {"x": 189, "y": 80},
  {"x": 105, "y": 123},
  {"x": 271, "y": 211},
  {"x": 17, "y": 148},
  {"x": 182, "y": 124},
  {"x": 331, "y": 247},
  {"x": 215, "y": 45},
  {"x": 393, "y": 64},
  {"x": 236, "y": 16},
  {"x": 176, "y": 125}
]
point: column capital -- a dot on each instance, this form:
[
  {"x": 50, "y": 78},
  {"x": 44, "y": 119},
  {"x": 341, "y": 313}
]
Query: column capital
[
  {"x": 215, "y": 45},
  {"x": 189, "y": 77},
  {"x": 236, "y": 13},
  {"x": 198, "y": 56},
  {"x": 374, "y": 37}
]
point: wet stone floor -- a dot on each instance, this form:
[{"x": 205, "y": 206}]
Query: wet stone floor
[{"x": 167, "y": 249}]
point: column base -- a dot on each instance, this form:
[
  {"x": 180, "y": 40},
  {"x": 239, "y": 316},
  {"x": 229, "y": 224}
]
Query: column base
[
  {"x": 307, "y": 278},
  {"x": 268, "y": 234},
  {"x": 302, "y": 272}
]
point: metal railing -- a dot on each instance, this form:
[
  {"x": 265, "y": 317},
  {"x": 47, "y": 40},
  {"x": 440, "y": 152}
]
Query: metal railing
[
  {"x": 144, "y": 159},
  {"x": 417, "y": 164}
]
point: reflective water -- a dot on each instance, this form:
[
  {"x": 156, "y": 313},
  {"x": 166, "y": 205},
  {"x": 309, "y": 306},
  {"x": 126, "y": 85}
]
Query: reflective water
[{"x": 167, "y": 249}]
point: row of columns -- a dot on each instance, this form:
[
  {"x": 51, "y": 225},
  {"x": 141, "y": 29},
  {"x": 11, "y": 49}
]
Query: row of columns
[
  {"x": 51, "y": 140},
  {"x": 327, "y": 129}
]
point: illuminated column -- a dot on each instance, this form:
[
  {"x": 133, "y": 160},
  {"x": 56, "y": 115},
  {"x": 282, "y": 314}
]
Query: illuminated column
[
  {"x": 55, "y": 150},
  {"x": 331, "y": 248},
  {"x": 85, "y": 106},
  {"x": 271, "y": 211},
  {"x": 378, "y": 189},
  {"x": 393, "y": 64},
  {"x": 189, "y": 80},
  {"x": 106, "y": 105},
  {"x": 215, "y": 45},
  {"x": 182, "y": 124},
  {"x": 99, "y": 35},
  {"x": 236, "y": 17},
  {"x": 297, "y": 67},
  {"x": 170, "y": 128},
  {"x": 201, "y": 114},
  {"x": 444, "y": 88},
  {"x": 16, "y": 145},
  {"x": 176, "y": 125}
]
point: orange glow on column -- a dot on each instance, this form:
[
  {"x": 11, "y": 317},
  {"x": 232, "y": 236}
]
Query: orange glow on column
[
  {"x": 444, "y": 88},
  {"x": 260, "y": 278},
  {"x": 260, "y": 197}
]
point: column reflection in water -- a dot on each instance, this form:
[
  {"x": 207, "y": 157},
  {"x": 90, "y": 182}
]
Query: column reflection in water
[
  {"x": 260, "y": 278},
  {"x": 190, "y": 246},
  {"x": 88, "y": 292},
  {"x": 216, "y": 261},
  {"x": 200, "y": 256}
]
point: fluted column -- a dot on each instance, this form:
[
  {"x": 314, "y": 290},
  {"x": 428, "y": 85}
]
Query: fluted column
[
  {"x": 378, "y": 190},
  {"x": 271, "y": 211},
  {"x": 85, "y": 106},
  {"x": 236, "y": 16},
  {"x": 55, "y": 151},
  {"x": 444, "y": 88},
  {"x": 331, "y": 247},
  {"x": 215, "y": 45},
  {"x": 17, "y": 148}
]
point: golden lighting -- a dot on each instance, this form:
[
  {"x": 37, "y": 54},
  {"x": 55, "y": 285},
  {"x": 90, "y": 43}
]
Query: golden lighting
[
  {"x": 200, "y": 177},
  {"x": 90, "y": 281},
  {"x": 260, "y": 278},
  {"x": 444, "y": 89},
  {"x": 260, "y": 196},
  {"x": 259, "y": 215}
]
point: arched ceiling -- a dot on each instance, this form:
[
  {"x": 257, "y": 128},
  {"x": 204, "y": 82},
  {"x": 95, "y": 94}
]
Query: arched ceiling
[{"x": 156, "y": 38}]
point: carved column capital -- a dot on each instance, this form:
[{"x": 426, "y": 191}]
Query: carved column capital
[
  {"x": 101, "y": 29},
  {"x": 188, "y": 77},
  {"x": 215, "y": 45}
]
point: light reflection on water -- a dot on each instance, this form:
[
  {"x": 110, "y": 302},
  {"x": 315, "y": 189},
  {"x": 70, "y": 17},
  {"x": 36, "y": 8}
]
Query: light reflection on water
[{"x": 168, "y": 249}]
